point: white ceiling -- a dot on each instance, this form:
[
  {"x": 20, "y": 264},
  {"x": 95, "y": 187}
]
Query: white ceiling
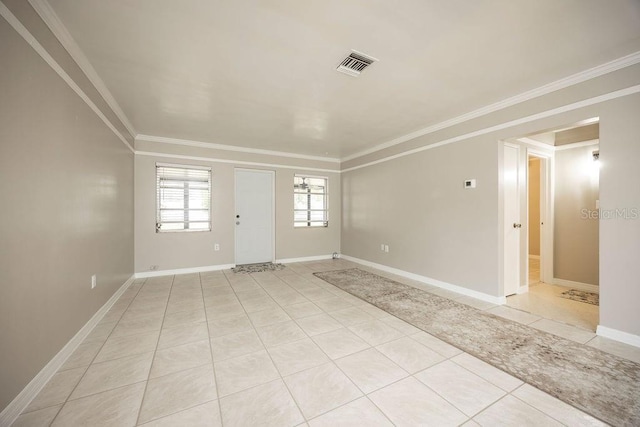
[{"x": 261, "y": 74}]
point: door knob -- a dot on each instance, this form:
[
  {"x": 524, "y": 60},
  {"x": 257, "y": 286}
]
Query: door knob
[
  {"x": 237, "y": 216},
  {"x": 515, "y": 225}
]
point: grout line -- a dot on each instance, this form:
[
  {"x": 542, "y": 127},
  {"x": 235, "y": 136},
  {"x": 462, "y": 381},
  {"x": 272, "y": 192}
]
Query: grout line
[
  {"x": 146, "y": 385},
  {"x": 213, "y": 367},
  {"x": 98, "y": 352}
]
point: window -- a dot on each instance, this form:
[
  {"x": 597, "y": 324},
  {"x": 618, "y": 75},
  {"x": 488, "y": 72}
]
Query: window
[
  {"x": 183, "y": 198},
  {"x": 310, "y": 201}
]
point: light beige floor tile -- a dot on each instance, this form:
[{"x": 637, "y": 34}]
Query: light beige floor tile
[
  {"x": 437, "y": 345},
  {"x": 101, "y": 332},
  {"x": 268, "y": 317},
  {"x": 409, "y": 354},
  {"x": 376, "y": 332},
  {"x": 351, "y": 316},
  {"x": 332, "y": 304},
  {"x": 220, "y": 298},
  {"x": 137, "y": 326},
  {"x": 39, "y": 418},
  {"x": 465, "y": 390},
  {"x": 370, "y": 370},
  {"x": 244, "y": 372},
  {"x": 57, "y": 389},
  {"x": 339, "y": 343},
  {"x": 321, "y": 389},
  {"x": 315, "y": 294},
  {"x": 118, "y": 407},
  {"x": 297, "y": 356},
  {"x": 289, "y": 298},
  {"x": 185, "y": 305},
  {"x": 176, "y": 392},
  {"x": 411, "y": 403},
  {"x": 271, "y": 405},
  {"x": 280, "y": 333},
  {"x": 625, "y": 351},
  {"x": 258, "y": 304},
  {"x": 401, "y": 325},
  {"x": 181, "y": 317},
  {"x": 229, "y": 325},
  {"x": 560, "y": 411},
  {"x": 183, "y": 334},
  {"x": 490, "y": 373},
  {"x": 374, "y": 311},
  {"x": 510, "y": 411},
  {"x": 181, "y": 357},
  {"x": 216, "y": 312},
  {"x": 514, "y": 314},
  {"x": 205, "y": 415},
  {"x": 233, "y": 345},
  {"x": 305, "y": 309},
  {"x": 318, "y": 324},
  {"x": 113, "y": 374},
  {"x": 565, "y": 331},
  {"x": 360, "y": 412},
  {"x": 83, "y": 356},
  {"x": 128, "y": 345}
]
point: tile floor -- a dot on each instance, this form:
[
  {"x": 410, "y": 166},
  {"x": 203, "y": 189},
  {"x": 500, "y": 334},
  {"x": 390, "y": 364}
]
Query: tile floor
[
  {"x": 543, "y": 300},
  {"x": 284, "y": 348}
]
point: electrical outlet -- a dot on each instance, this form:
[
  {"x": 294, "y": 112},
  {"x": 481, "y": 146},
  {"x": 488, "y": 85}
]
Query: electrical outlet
[
  {"x": 94, "y": 281},
  {"x": 216, "y": 247},
  {"x": 382, "y": 247},
  {"x": 386, "y": 248},
  {"x": 153, "y": 268}
]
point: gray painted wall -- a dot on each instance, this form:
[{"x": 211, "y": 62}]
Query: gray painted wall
[
  {"x": 620, "y": 236},
  {"x": 575, "y": 241},
  {"x": 185, "y": 250},
  {"x": 67, "y": 212}
]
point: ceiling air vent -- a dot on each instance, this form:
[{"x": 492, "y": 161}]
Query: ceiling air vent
[{"x": 355, "y": 63}]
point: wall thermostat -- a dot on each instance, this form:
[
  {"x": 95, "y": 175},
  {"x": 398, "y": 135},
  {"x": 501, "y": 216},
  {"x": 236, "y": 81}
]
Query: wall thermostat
[{"x": 470, "y": 183}]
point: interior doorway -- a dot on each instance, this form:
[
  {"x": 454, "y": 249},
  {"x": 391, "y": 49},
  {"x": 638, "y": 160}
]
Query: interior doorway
[{"x": 559, "y": 203}]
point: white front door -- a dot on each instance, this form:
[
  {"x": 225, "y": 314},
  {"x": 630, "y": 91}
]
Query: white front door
[
  {"x": 512, "y": 225},
  {"x": 254, "y": 216}
]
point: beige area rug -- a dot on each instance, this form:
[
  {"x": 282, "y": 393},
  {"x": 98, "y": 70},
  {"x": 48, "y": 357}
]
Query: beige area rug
[
  {"x": 257, "y": 268},
  {"x": 581, "y": 296},
  {"x": 598, "y": 383}
]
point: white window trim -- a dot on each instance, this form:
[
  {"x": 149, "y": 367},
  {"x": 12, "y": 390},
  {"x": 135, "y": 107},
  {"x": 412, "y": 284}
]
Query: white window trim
[
  {"x": 182, "y": 166},
  {"x": 326, "y": 203}
]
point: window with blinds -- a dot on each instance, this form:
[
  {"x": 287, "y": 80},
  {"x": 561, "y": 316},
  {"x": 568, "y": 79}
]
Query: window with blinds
[
  {"x": 183, "y": 198},
  {"x": 310, "y": 207}
]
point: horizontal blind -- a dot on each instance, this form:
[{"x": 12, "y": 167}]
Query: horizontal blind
[
  {"x": 310, "y": 201},
  {"x": 183, "y": 198}
]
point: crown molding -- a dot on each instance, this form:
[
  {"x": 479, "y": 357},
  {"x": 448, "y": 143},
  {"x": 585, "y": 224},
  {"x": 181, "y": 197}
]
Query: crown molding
[
  {"x": 574, "y": 79},
  {"x": 577, "y": 145},
  {"x": 59, "y": 30},
  {"x": 548, "y": 113},
  {"x": 224, "y": 147},
  {"x": 233, "y": 162},
  {"x": 40, "y": 50}
]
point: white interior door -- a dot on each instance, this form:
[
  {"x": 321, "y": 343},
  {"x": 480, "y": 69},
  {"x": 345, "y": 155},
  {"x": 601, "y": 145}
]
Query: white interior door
[
  {"x": 512, "y": 225},
  {"x": 254, "y": 216}
]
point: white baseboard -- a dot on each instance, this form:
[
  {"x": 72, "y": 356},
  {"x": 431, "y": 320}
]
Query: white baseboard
[
  {"x": 534, "y": 256},
  {"x": 22, "y": 400},
  {"x": 304, "y": 259},
  {"x": 522, "y": 290},
  {"x": 429, "y": 281},
  {"x": 156, "y": 273},
  {"x": 577, "y": 285},
  {"x": 617, "y": 335}
]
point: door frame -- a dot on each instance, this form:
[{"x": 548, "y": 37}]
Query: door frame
[
  {"x": 546, "y": 215},
  {"x": 272, "y": 174}
]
